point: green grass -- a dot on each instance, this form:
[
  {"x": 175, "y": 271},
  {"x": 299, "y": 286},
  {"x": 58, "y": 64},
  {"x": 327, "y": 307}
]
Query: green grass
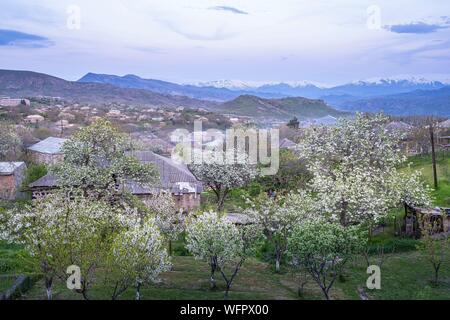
[
  {"x": 11, "y": 259},
  {"x": 189, "y": 279},
  {"x": 404, "y": 276},
  {"x": 424, "y": 164},
  {"x": 6, "y": 282}
]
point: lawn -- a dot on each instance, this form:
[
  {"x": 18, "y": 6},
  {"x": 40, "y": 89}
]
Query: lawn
[
  {"x": 404, "y": 276},
  {"x": 424, "y": 164}
]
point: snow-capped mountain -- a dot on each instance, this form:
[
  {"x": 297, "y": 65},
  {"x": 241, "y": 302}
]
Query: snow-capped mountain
[{"x": 227, "y": 84}]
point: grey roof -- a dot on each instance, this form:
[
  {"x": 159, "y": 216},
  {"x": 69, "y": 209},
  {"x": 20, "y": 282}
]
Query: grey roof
[
  {"x": 399, "y": 125},
  {"x": 47, "y": 181},
  {"x": 173, "y": 176},
  {"x": 51, "y": 145},
  {"x": 8, "y": 168},
  {"x": 445, "y": 124},
  {"x": 286, "y": 143}
]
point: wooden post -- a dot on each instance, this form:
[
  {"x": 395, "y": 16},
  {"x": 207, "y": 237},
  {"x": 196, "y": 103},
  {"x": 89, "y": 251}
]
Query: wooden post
[{"x": 433, "y": 156}]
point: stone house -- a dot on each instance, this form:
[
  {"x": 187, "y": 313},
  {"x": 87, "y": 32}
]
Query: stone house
[
  {"x": 47, "y": 151},
  {"x": 11, "y": 177},
  {"x": 8, "y": 102},
  {"x": 34, "y": 119},
  {"x": 174, "y": 178}
]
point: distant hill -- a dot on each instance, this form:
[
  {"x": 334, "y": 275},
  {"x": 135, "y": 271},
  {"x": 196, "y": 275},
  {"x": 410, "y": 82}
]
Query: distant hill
[
  {"x": 285, "y": 108},
  {"x": 27, "y": 83},
  {"x": 204, "y": 92},
  {"x": 419, "y": 102}
]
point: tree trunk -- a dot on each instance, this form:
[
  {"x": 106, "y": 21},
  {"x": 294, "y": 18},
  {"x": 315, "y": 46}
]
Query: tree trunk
[
  {"x": 138, "y": 290},
  {"x": 433, "y": 157},
  {"x": 49, "y": 287},
  {"x": 220, "y": 203},
  {"x": 213, "y": 270},
  {"x": 227, "y": 290},
  {"x": 436, "y": 274},
  {"x": 278, "y": 255},
  {"x": 325, "y": 292}
]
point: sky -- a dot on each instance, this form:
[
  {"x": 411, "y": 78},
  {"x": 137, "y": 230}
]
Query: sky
[{"x": 322, "y": 41}]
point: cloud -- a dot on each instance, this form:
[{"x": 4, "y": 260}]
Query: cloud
[
  {"x": 415, "y": 27},
  {"x": 229, "y": 9},
  {"x": 21, "y": 39},
  {"x": 216, "y": 35}
]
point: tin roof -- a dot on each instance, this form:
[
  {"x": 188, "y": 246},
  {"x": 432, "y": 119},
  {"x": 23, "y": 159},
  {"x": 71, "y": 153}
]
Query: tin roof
[
  {"x": 8, "y": 168},
  {"x": 173, "y": 176},
  {"x": 51, "y": 145},
  {"x": 286, "y": 144}
]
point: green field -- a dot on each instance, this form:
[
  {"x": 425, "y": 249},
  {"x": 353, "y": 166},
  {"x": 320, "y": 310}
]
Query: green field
[{"x": 404, "y": 276}]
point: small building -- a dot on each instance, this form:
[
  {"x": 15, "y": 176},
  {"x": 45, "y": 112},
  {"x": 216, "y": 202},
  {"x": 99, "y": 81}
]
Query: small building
[
  {"x": 47, "y": 151},
  {"x": 8, "y": 102},
  {"x": 11, "y": 177},
  {"x": 174, "y": 178},
  {"x": 34, "y": 119},
  {"x": 416, "y": 217}
]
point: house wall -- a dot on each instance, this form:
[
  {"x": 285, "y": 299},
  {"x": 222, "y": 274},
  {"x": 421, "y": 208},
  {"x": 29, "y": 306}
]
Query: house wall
[
  {"x": 45, "y": 158},
  {"x": 186, "y": 201},
  {"x": 7, "y": 187},
  {"x": 10, "y": 184}
]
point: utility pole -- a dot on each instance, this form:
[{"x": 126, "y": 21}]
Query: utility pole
[{"x": 433, "y": 156}]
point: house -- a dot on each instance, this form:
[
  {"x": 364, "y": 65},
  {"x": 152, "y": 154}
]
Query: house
[
  {"x": 174, "y": 178},
  {"x": 409, "y": 142},
  {"x": 8, "y": 102},
  {"x": 34, "y": 118},
  {"x": 399, "y": 126},
  {"x": 47, "y": 151},
  {"x": 11, "y": 177}
]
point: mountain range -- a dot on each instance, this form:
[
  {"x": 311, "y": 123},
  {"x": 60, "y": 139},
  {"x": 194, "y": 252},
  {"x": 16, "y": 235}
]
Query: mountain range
[
  {"x": 275, "y": 100},
  {"x": 369, "y": 95},
  {"x": 29, "y": 84},
  {"x": 224, "y": 90}
]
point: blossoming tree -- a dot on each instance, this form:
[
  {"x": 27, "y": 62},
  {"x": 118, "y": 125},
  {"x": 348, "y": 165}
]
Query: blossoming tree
[
  {"x": 323, "y": 248},
  {"x": 137, "y": 256},
  {"x": 355, "y": 169},
  {"x": 277, "y": 218},
  {"x": 221, "y": 174},
  {"x": 222, "y": 244},
  {"x": 96, "y": 160},
  {"x": 63, "y": 229}
]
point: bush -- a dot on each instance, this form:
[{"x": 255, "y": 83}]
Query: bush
[
  {"x": 34, "y": 172},
  {"x": 394, "y": 245}
]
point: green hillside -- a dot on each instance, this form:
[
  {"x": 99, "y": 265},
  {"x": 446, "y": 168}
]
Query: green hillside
[{"x": 286, "y": 108}]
